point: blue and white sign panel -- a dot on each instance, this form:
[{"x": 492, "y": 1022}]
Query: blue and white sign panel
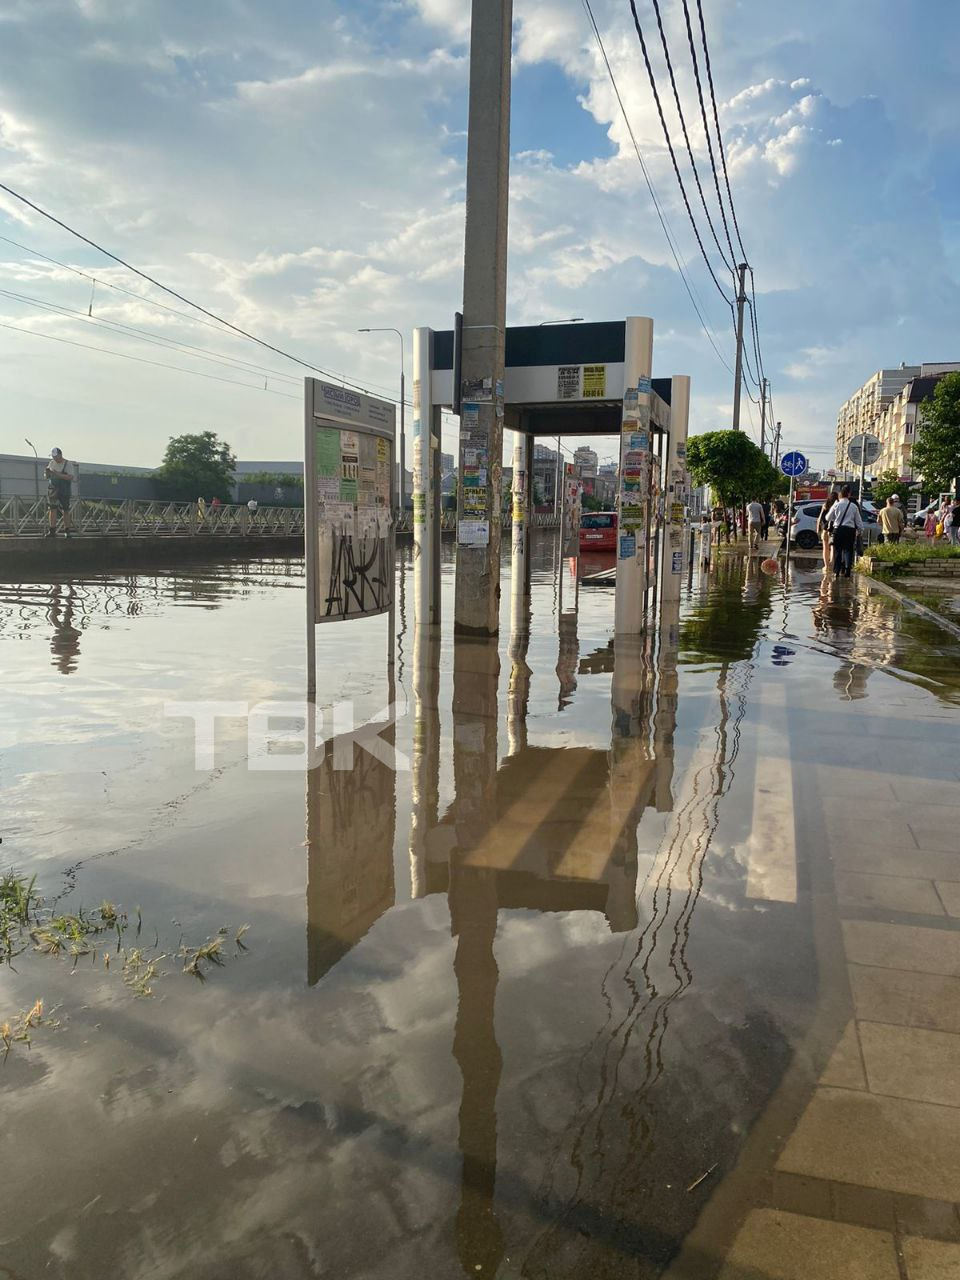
[{"x": 793, "y": 464}]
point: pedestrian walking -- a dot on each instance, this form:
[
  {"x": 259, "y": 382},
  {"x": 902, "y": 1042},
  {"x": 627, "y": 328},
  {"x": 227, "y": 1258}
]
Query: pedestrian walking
[
  {"x": 930, "y": 525},
  {"x": 845, "y": 523},
  {"x": 953, "y": 528},
  {"x": 59, "y": 482},
  {"x": 891, "y": 522},
  {"x": 201, "y": 512},
  {"x": 823, "y": 529},
  {"x": 755, "y": 523}
]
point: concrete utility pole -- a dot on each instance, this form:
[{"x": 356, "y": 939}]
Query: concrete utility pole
[
  {"x": 776, "y": 446},
  {"x": 484, "y": 320},
  {"x": 763, "y": 415},
  {"x": 738, "y": 373}
]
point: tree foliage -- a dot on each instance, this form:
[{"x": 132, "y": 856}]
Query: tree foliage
[
  {"x": 196, "y": 466},
  {"x": 888, "y": 483},
  {"x": 936, "y": 452},
  {"x": 733, "y": 466},
  {"x": 274, "y": 479}
]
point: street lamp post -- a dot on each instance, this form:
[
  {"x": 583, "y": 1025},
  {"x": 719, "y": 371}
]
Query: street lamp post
[
  {"x": 36, "y": 466},
  {"x": 401, "y": 487}
]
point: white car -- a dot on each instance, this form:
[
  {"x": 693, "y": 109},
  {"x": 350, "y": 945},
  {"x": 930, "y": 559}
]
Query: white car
[{"x": 803, "y": 526}]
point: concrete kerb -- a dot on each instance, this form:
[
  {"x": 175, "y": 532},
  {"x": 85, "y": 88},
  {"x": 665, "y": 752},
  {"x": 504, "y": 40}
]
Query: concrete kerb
[{"x": 908, "y": 602}]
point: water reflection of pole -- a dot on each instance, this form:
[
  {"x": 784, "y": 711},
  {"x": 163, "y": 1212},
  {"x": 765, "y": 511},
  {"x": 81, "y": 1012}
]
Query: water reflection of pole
[
  {"x": 425, "y": 764},
  {"x": 472, "y": 899},
  {"x": 519, "y": 688}
]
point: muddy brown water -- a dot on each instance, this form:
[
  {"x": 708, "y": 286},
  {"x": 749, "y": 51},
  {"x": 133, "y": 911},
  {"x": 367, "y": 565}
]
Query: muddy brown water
[{"x": 501, "y": 1010}]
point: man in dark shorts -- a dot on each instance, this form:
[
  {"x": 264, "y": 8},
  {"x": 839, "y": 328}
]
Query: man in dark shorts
[{"x": 59, "y": 481}]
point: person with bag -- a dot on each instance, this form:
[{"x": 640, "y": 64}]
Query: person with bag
[
  {"x": 845, "y": 523},
  {"x": 823, "y": 529}
]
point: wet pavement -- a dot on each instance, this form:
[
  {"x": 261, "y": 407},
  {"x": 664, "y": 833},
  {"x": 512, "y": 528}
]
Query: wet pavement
[{"x": 648, "y": 964}]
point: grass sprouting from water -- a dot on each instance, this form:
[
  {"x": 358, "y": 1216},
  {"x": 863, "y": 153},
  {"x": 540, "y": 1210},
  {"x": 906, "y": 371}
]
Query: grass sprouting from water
[{"x": 27, "y": 926}]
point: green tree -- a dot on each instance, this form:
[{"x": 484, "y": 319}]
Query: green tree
[
  {"x": 274, "y": 479},
  {"x": 196, "y": 466},
  {"x": 936, "y": 452},
  {"x": 733, "y": 466},
  {"x": 888, "y": 483}
]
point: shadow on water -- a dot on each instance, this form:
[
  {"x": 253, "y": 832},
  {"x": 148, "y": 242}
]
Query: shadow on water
[{"x": 524, "y": 1004}]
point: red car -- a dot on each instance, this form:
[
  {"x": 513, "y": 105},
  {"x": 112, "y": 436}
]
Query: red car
[{"x": 598, "y": 531}]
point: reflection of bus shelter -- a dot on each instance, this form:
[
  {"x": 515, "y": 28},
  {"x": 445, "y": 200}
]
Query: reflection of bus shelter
[{"x": 565, "y": 379}]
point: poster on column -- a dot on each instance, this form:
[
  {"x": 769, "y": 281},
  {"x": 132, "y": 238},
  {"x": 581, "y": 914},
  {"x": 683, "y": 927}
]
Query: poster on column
[{"x": 348, "y": 497}]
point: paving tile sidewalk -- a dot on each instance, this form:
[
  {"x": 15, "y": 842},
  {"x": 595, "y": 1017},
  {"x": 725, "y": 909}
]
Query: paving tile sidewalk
[{"x": 867, "y": 1186}]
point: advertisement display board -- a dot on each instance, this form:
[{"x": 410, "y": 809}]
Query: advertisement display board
[{"x": 348, "y": 493}]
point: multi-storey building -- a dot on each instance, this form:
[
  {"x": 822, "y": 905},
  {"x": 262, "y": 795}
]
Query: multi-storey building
[
  {"x": 586, "y": 459},
  {"x": 888, "y": 405},
  {"x": 861, "y": 411}
]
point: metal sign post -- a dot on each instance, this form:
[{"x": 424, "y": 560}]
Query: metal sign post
[
  {"x": 792, "y": 464},
  {"x": 349, "y": 499},
  {"x": 862, "y": 450}
]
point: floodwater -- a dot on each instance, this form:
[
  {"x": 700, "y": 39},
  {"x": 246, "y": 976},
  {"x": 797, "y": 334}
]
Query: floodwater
[{"x": 543, "y": 1002}]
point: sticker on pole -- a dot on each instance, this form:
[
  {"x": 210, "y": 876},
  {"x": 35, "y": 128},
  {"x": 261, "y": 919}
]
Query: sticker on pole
[{"x": 793, "y": 464}]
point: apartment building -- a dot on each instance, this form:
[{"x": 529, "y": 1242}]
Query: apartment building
[
  {"x": 586, "y": 459},
  {"x": 888, "y": 405}
]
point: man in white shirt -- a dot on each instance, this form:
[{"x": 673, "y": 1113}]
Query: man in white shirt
[
  {"x": 755, "y": 523},
  {"x": 845, "y": 522}
]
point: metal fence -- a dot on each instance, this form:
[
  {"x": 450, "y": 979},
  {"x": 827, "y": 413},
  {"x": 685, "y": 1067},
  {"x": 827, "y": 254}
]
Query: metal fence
[
  {"x": 130, "y": 517},
  {"x": 28, "y": 517}
]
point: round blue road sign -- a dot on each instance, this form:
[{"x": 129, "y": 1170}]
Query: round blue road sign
[{"x": 793, "y": 464}]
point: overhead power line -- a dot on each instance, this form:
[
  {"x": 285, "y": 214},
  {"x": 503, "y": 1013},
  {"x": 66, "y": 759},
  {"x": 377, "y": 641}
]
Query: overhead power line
[
  {"x": 157, "y": 340},
  {"x": 212, "y": 315},
  {"x": 731, "y": 263},
  {"x": 157, "y": 364},
  {"x": 653, "y": 195},
  {"x": 706, "y": 127},
  {"x": 716, "y": 120},
  {"x": 673, "y": 155}
]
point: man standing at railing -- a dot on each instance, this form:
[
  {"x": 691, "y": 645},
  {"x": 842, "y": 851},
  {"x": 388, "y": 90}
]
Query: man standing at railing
[{"x": 59, "y": 482}]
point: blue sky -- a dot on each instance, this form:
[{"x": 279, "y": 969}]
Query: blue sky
[{"x": 298, "y": 167}]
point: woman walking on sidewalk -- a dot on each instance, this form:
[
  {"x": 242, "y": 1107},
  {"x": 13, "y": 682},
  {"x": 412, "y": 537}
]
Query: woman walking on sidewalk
[
  {"x": 845, "y": 522},
  {"x": 823, "y": 529}
]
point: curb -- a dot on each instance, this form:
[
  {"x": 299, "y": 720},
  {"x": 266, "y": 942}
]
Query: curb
[{"x": 930, "y": 614}]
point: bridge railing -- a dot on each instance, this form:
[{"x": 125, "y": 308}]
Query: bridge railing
[{"x": 130, "y": 517}]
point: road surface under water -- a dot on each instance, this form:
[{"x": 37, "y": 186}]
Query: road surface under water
[{"x": 547, "y": 1001}]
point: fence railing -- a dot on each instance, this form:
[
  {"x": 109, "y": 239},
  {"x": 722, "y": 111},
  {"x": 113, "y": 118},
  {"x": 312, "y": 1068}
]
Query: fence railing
[
  {"x": 132, "y": 517},
  {"x": 28, "y": 517}
]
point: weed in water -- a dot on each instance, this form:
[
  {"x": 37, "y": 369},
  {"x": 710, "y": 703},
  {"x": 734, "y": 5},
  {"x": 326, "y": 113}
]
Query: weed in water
[
  {"x": 211, "y": 953},
  {"x": 17, "y": 1030}
]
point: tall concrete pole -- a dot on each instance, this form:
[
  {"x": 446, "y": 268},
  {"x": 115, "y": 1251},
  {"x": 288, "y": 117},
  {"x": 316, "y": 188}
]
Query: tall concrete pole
[
  {"x": 776, "y": 445},
  {"x": 426, "y": 532},
  {"x": 763, "y": 416},
  {"x": 630, "y": 592},
  {"x": 671, "y": 568},
  {"x": 484, "y": 320},
  {"x": 738, "y": 373}
]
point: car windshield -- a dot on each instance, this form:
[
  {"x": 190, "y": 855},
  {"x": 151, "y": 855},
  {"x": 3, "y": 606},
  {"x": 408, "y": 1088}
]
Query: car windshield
[{"x": 598, "y": 520}]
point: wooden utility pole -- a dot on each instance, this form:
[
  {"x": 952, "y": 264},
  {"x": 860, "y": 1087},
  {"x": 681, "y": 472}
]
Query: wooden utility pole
[{"x": 477, "y": 606}]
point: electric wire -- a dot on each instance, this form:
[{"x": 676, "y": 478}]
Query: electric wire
[
  {"x": 653, "y": 195},
  {"x": 706, "y": 127},
  {"x": 212, "y": 315},
  {"x": 673, "y": 155},
  {"x": 716, "y": 120},
  {"x": 157, "y": 340},
  {"x": 157, "y": 364},
  {"x": 730, "y": 265}
]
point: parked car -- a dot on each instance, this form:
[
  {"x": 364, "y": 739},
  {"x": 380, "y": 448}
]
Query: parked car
[
  {"x": 919, "y": 519},
  {"x": 803, "y": 526}
]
